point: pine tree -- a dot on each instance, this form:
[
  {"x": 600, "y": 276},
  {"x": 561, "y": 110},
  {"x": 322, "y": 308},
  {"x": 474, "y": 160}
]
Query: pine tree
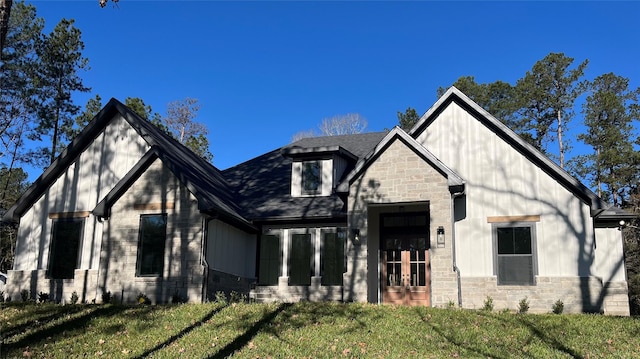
[
  {"x": 57, "y": 79},
  {"x": 546, "y": 96},
  {"x": 609, "y": 111}
]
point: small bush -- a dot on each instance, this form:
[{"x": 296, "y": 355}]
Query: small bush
[
  {"x": 74, "y": 298},
  {"x": 220, "y": 297},
  {"x": 143, "y": 299},
  {"x": 176, "y": 298},
  {"x": 558, "y": 307},
  {"x": 505, "y": 311},
  {"x": 25, "y": 295},
  {"x": 523, "y": 306},
  {"x": 488, "y": 304},
  {"x": 43, "y": 297},
  {"x": 106, "y": 297},
  {"x": 451, "y": 304},
  {"x": 236, "y": 297}
]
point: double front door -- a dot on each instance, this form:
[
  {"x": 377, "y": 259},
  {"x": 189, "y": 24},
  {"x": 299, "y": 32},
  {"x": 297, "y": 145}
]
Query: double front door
[{"x": 405, "y": 273}]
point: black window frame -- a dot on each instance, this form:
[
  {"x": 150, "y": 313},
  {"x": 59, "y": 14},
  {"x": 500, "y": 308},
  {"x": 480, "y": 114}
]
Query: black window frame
[
  {"x": 141, "y": 270},
  {"x": 267, "y": 260},
  {"x": 506, "y": 274},
  {"x": 333, "y": 279},
  {"x": 304, "y": 178},
  {"x": 300, "y": 276},
  {"x": 63, "y": 263}
]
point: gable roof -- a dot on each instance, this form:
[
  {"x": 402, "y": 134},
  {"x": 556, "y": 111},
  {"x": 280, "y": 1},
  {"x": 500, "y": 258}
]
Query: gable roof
[
  {"x": 203, "y": 179},
  {"x": 263, "y": 184},
  {"x": 531, "y": 153},
  {"x": 455, "y": 182}
]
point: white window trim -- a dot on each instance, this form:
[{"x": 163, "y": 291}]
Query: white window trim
[{"x": 326, "y": 181}]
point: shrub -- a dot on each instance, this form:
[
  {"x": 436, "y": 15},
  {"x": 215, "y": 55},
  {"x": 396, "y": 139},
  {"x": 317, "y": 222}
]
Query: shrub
[
  {"x": 106, "y": 297},
  {"x": 236, "y": 297},
  {"x": 220, "y": 297},
  {"x": 523, "y": 306},
  {"x": 43, "y": 297},
  {"x": 74, "y": 297},
  {"x": 25, "y": 295},
  {"x": 488, "y": 304},
  {"x": 558, "y": 307},
  {"x": 451, "y": 304},
  {"x": 143, "y": 299},
  {"x": 176, "y": 298}
]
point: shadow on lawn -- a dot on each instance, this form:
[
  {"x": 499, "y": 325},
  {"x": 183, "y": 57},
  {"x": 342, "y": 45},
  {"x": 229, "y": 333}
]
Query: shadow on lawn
[
  {"x": 58, "y": 329},
  {"x": 43, "y": 314},
  {"x": 182, "y": 333},
  {"x": 508, "y": 321},
  {"x": 242, "y": 340},
  {"x": 544, "y": 336},
  {"x": 458, "y": 342}
]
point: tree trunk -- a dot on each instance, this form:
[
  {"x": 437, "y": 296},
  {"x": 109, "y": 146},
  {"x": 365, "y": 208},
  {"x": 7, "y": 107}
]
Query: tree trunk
[
  {"x": 560, "y": 144},
  {"x": 5, "y": 12}
]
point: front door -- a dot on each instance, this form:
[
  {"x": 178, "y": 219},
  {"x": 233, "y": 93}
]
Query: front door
[{"x": 405, "y": 273}]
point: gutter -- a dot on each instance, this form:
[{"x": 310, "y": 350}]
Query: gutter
[{"x": 453, "y": 244}]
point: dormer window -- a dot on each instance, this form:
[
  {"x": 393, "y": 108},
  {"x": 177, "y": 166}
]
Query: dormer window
[
  {"x": 315, "y": 170},
  {"x": 311, "y": 177}
]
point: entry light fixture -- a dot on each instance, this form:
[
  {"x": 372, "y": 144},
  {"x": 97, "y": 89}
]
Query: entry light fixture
[
  {"x": 624, "y": 224},
  {"x": 355, "y": 235},
  {"x": 440, "y": 237}
]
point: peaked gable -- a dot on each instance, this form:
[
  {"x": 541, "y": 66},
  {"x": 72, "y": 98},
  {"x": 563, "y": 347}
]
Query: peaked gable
[
  {"x": 453, "y": 95},
  {"x": 202, "y": 178},
  {"x": 456, "y": 183}
]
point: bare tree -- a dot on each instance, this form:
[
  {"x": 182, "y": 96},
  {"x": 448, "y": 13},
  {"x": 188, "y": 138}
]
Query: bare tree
[
  {"x": 180, "y": 119},
  {"x": 343, "y": 125},
  {"x": 303, "y": 134}
]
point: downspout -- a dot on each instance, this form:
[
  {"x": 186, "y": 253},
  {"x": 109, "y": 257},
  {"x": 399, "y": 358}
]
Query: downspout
[
  {"x": 453, "y": 244},
  {"x": 203, "y": 259}
]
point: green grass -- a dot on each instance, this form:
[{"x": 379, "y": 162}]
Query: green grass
[{"x": 318, "y": 330}]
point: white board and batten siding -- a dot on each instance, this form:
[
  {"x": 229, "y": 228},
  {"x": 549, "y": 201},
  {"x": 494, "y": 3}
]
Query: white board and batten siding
[
  {"x": 500, "y": 181},
  {"x": 96, "y": 171},
  {"x": 230, "y": 250}
]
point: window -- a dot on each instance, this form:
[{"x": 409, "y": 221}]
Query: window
[
  {"x": 269, "y": 263},
  {"x": 515, "y": 262},
  {"x": 153, "y": 233},
  {"x": 332, "y": 257},
  {"x": 311, "y": 177},
  {"x": 65, "y": 246},
  {"x": 300, "y": 259}
]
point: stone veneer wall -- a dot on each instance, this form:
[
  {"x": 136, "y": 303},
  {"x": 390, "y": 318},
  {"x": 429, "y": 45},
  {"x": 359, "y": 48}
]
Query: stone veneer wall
[
  {"x": 59, "y": 290},
  {"x": 157, "y": 191},
  {"x": 399, "y": 176},
  {"x": 577, "y": 294}
]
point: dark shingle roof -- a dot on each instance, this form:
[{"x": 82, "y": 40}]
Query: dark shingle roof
[{"x": 263, "y": 184}]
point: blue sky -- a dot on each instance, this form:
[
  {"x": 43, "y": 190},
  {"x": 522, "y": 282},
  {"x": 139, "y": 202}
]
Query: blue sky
[{"x": 263, "y": 71}]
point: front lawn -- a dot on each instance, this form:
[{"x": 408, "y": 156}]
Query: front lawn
[{"x": 318, "y": 330}]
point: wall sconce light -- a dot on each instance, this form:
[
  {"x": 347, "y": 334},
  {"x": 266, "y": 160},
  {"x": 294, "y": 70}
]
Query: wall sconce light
[
  {"x": 440, "y": 237},
  {"x": 355, "y": 235},
  {"x": 624, "y": 224}
]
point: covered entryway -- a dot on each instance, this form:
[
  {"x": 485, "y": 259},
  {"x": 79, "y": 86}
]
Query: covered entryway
[{"x": 404, "y": 241}]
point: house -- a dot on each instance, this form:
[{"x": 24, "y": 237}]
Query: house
[{"x": 458, "y": 209}]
